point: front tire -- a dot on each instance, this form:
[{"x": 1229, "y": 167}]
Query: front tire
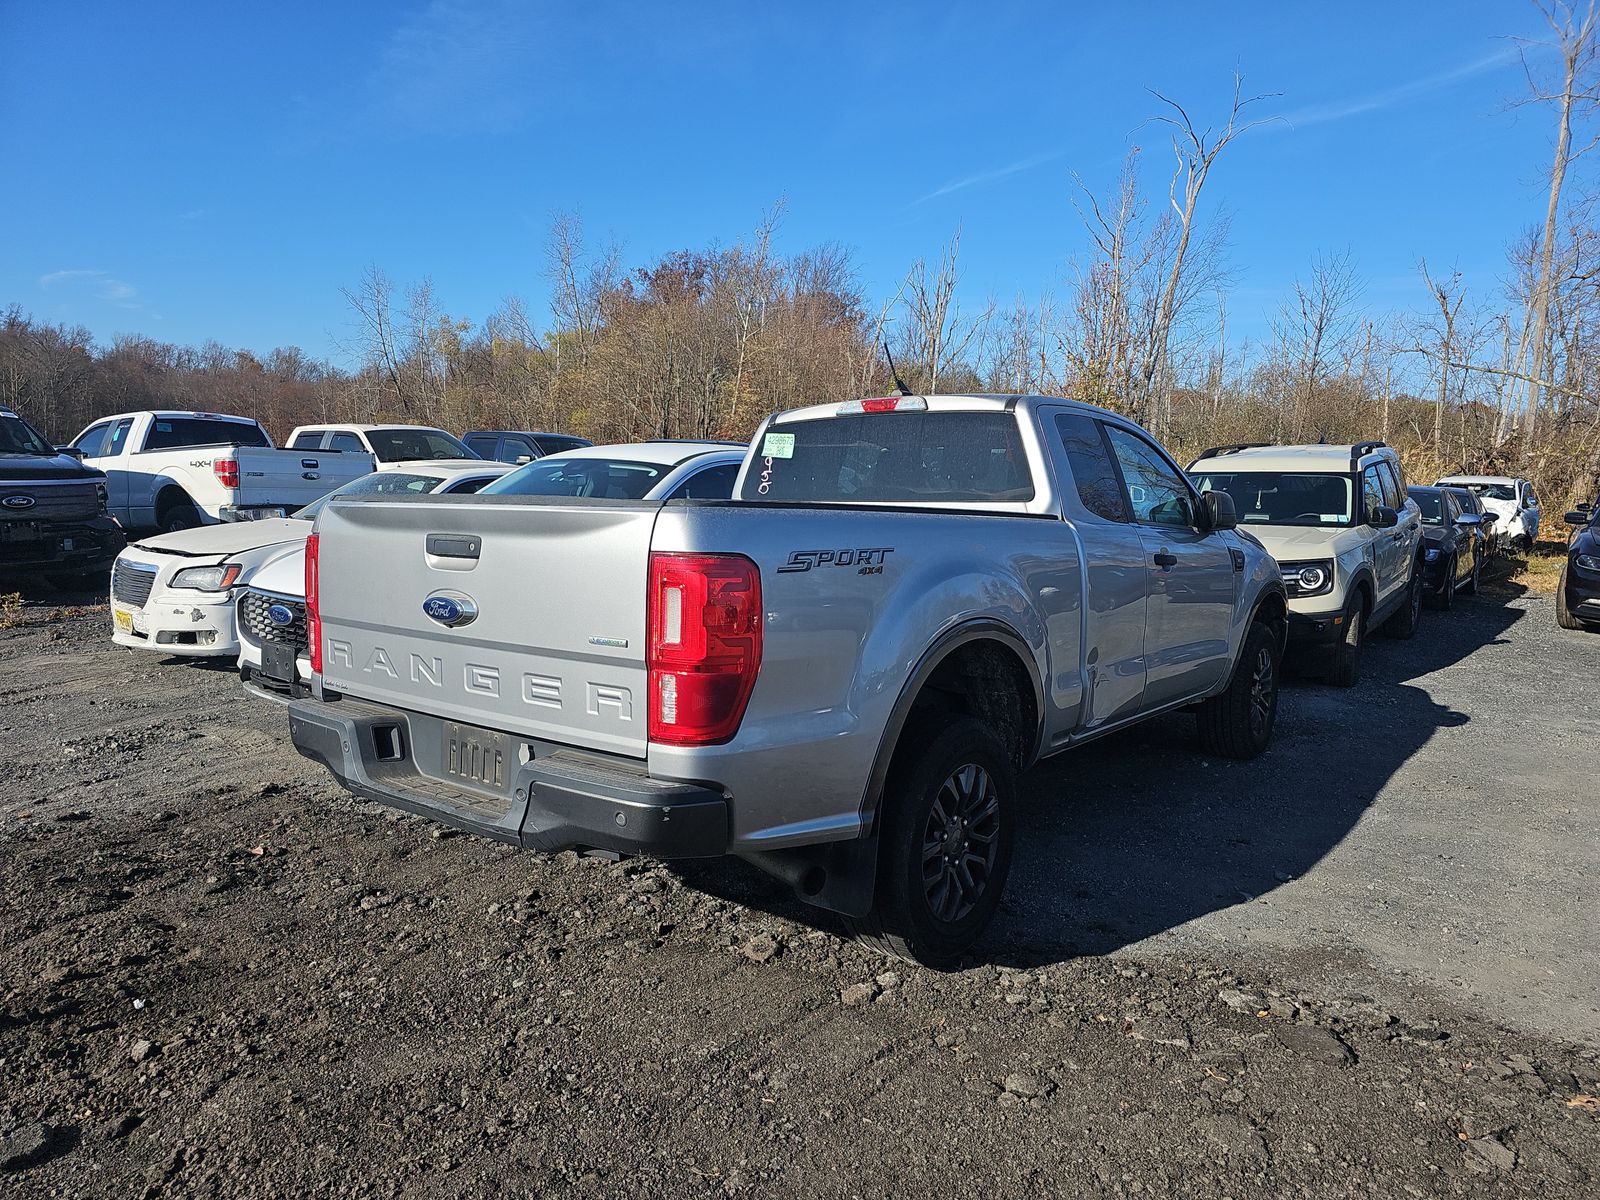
[
  {"x": 1238, "y": 723},
  {"x": 947, "y": 829},
  {"x": 1564, "y": 617},
  {"x": 1345, "y": 669},
  {"x": 1403, "y": 624}
]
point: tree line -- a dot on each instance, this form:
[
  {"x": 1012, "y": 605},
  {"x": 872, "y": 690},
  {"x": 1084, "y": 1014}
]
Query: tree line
[{"x": 705, "y": 342}]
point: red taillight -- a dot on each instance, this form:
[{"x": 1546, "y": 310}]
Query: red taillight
[
  {"x": 313, "y": 611},
  {"x": 703, "y": 645},
  {"x": 227, "y": 470}
]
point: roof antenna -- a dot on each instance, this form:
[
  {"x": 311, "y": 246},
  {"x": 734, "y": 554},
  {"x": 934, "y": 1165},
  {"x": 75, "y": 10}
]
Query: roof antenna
[{"x": 900, "y": 387}]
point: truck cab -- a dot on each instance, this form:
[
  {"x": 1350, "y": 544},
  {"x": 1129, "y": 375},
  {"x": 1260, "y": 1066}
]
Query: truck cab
[{"x": 391, "y": 445}]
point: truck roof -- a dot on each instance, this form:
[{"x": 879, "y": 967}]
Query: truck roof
[
  {"x": 176, "y": 412},
  {"x": 1319, "y": 457},
  {"x": 358, "y": 427},
  {"x": 950, "y": 402},
  {"x": 659, "y": 453}
]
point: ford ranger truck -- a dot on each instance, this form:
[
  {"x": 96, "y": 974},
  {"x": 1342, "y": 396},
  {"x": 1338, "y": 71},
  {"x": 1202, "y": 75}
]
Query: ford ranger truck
[
  {"x": 177, "y": 470},
  {"x": 53, "y": 519},
  {"x": 838, "y": 675}
]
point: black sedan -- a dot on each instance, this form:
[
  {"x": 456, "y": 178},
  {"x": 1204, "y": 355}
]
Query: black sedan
[
  {"x": 1578, "y": 594},
  {"x": 1450, "y": 545},
  {"x": 1488, "y": 539}
]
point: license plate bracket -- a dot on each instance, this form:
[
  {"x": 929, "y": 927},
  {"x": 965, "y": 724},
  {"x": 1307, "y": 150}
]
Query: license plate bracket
[
  {"x": 479, "y": 757},
  {"x": 122, "y": 619},
  {"x": 277, "y": 662},
  {"x": 21, "y": 531}
]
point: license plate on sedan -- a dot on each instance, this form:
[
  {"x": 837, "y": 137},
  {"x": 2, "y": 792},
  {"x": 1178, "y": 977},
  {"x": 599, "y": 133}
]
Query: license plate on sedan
[
  {"x": 480, "y": 757},
  {"x": 122, "y": 619}
]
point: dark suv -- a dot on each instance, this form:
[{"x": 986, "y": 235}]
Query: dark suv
[
  {"x": 53, "y": 518},
  {"x": 1578, "y": 594},
  {"x": 516, "y": 446}
]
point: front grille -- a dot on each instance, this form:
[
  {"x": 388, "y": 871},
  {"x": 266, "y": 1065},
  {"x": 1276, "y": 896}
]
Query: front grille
[
  {"x": 257, "y": 627},
  {"x": 52, "y": 501},
  {"x": 131, "y": 582}
]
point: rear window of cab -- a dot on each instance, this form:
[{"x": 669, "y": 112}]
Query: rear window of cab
[{"x": 897, "y": 457}]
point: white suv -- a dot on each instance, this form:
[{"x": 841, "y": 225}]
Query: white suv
[{"x": 1346, "y": 536}]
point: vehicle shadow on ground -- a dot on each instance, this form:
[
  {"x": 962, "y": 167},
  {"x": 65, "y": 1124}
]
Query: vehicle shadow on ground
[{"x": 1140, "y": 833}]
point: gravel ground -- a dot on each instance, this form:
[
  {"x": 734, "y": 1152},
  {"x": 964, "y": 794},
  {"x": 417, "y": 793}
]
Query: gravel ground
[{"x": 1365, "y": 965}]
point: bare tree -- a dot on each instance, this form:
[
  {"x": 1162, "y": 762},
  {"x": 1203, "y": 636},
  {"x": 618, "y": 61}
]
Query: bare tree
[
  {"x": 1196, "y": 151},
  {"x": 938, "y": 337},
  {"x": 1448, "y": 296},
  {"x": 1576, "y": 43}
]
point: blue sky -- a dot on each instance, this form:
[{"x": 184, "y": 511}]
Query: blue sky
[{"x": 220, "y": 171}]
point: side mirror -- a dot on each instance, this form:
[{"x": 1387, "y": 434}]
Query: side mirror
[
  {"x": 1383, "y": 517},
  {"x": 1219, "y": 511},
  {"x": 522, "y": 460},
  {"x": 1578, "y": 516},
  {"x": 1469, "y": 519},
  {"x": 71, "y": 452}
]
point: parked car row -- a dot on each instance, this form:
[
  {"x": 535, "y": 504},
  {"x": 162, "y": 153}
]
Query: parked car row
[{"x": 830, "y": 652}]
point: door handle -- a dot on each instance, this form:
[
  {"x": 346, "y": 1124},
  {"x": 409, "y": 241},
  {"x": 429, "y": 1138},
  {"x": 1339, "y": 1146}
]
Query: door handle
[{"x": 1164, "y": 560}]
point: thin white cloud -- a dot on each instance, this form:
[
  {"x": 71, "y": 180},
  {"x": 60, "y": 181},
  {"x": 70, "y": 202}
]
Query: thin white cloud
[
  {"x": 1339, "y": 110},
  {"x": 457, "y": 64},
  {"x": 100, "y": 284},
  {"x": 990, "y": 176}
]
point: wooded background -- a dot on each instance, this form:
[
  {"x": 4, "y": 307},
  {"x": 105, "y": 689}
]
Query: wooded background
[{"x": 708, "y": 341}]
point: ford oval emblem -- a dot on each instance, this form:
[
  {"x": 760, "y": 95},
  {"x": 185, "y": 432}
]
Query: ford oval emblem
[
  {"x": 280, "y": 614},
  {"x": 18, "y": 501},
  {"x": 450, "y": 608}
]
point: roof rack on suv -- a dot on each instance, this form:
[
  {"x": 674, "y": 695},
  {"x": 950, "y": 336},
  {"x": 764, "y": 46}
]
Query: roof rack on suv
[
  {"x": 695, "y": 441},
  {"x": 1218, "y": 451},
  {"x": 1364, "y": 448}
]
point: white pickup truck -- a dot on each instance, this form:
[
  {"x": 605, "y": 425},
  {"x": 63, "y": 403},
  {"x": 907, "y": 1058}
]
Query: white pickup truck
[
  {"x": 171, "y": 470},
  {"x": 394, "y": 446}
]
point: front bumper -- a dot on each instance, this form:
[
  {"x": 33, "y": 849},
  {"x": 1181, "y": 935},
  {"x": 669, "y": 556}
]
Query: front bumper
[
  {"x": 1583, "y": 595},
  {"x": 179, "y": 621},
  {"x": 559, "y": 799},
  {"x": 78, "y": 547},
  {"x": 1315, "y": 629}
]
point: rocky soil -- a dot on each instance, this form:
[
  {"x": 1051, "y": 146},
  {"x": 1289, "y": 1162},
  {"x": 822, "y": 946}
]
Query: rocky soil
[{"x": 220, "y": 975}]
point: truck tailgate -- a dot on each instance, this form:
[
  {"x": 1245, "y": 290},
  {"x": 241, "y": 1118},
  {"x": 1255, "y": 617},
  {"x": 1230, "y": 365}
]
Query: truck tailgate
[
  {"x": 294, "y": 478},
  {"x": 555, "y": 649}
]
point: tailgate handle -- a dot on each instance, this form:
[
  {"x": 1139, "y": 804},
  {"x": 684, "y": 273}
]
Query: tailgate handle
[
  {"x": 454, "y": 545},
  {"x": 309, "y": 464}
]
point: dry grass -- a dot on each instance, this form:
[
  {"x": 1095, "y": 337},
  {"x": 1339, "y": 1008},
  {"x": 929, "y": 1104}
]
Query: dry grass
[
  {"x": 1537, "y": 571},
  {"x": 10, "y": 610}
]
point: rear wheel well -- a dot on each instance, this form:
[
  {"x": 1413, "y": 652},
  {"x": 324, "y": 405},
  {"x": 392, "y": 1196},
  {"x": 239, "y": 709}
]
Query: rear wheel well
[
  {"x": 170, "y": 497},
  {"x": 984, "y": 679}
]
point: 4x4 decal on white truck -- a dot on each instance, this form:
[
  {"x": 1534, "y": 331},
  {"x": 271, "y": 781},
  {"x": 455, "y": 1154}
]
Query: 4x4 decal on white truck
[{"x": 869, "y": 560}]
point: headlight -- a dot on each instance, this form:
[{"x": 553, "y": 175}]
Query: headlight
[
  {"x": 1432, "y": 554},
  {"x": 207, "y": 579},
  {"x": 100, "y": 494},
  {"x": 1309, "y": 579},
  {"x": 1588, "y": 562}
]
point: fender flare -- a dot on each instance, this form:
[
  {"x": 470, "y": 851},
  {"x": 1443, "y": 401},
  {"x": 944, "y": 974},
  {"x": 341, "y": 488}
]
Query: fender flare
[{"x": 951, "y": 640}]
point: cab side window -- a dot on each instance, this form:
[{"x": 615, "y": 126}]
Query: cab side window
[
  {"x": 307, "y": 441},
  {"x": 1156, "y": 492},
  {"x": 714, "y": 483},
  {"x": 1394, "y": 492},
  {"x": 1099, "y": 489},
  {"x": 92, "y": 440},
  {"x": 118, "y": 438},
  {"x": 1371, "y": 494},
  {"x": 346, "y": 443}
]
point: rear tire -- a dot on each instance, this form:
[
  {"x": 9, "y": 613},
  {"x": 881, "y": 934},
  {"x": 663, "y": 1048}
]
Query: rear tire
[
  {"x": 952, "y": 785},
  {"x": 1238, "y": 723},
  {"x": 1403, "y": 624},
  {"x": 1345, "y": 669},
  {"x": 178, "y": 515}
]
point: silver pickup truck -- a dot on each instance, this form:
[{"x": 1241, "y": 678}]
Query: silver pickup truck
[{"x": 837, "y": 676}]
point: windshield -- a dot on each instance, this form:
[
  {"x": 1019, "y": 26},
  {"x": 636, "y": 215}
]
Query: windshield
[
  {"x": 1490, "y": 491},
  {"x": 1431, "y": 503},
  {"x": 18, "y": 437},
  {"x": 606, "y": 478},
  {"x": 1281, "y": 497},
  {"x": 884, "y": 458},
  {"x": 379, "y": 483},
  {"x": 413, "y": 445}
]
